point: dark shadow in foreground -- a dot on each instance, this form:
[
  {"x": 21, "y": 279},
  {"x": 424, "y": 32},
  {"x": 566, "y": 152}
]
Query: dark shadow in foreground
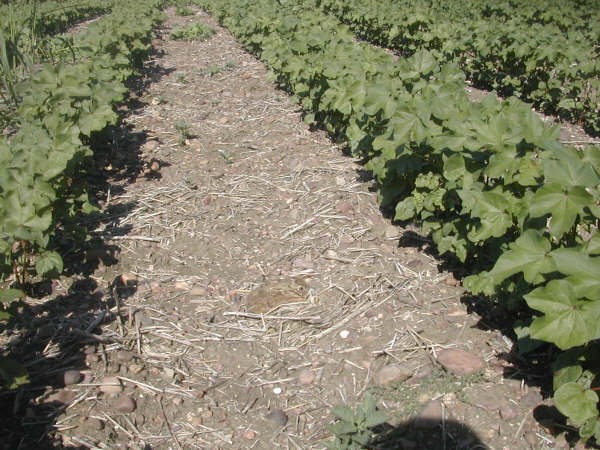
[{"x": 426, "y": 434}]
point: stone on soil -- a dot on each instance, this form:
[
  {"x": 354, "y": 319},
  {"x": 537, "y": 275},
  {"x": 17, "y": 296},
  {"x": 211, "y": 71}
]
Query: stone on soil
[
  {"x": 392, "y": 373},
  {"x": 306, "y": 376},
  {"x": 111, "y": 385},
  {"x": 489, "y": 399},
  {"x": 72, "y": 377},
  {"x": 125, "y": 404},
  {"x": 431, "y": 415},
  {"x": 61, "y": 396},
  {"x": 277, "y": 416},
  {"x": 460, "y": 362},
  {"x": 508, "y": 411}
]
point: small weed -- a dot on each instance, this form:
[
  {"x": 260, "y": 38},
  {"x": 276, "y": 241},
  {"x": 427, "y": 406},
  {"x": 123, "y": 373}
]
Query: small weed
[
  {"x": 194, "y": 32},
  {"x": 182, "y": 10},
  {"x": 228, "y": 159},
  {"x": 354, "y": 430},
  {"x": 215, "y": 69},
  {"x": 183, "y": 129},
  {"x": 181, "y": 77}
]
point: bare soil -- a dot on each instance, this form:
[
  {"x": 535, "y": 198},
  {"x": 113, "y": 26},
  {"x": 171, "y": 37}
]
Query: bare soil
[{"x": 248, "y": 283}]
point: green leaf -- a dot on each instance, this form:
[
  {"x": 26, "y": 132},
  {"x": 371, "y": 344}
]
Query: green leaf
[
  {"x": 567, "y": 169},
  {"x": 13, "y": 373},
  {"x": 563, "y": 205},
  {"x": 376, "y": 418},
  {"x": 529, "y": 254},
  {"x": 567, "y": 321},
  {"x": 576, "y": 402},
  {"x": 492, "y": 208},
  {"x": 344, "y": 413},
  {"x": 49, "y": 264},
  {"x": 10, "y": 295}
]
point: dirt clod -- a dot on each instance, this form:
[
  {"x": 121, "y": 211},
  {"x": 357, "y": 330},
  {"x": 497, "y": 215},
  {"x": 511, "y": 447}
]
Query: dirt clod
[
  {"x": 124, "y": 404},
  {"x": 72, "y": 377},
  {"x": 460, "y": 362},
  {"x": 392, "y": 373},
  {"x": 277, "y": 416}
]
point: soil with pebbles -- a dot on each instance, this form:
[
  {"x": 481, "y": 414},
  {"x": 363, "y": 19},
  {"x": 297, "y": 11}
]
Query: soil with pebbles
[{"x": 251, "y": 283}]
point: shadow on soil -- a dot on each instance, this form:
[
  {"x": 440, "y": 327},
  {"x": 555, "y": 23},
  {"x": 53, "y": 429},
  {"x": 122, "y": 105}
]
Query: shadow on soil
[
  {"x": 423, "y": 434},
  {"x": 56, "y": 330}
]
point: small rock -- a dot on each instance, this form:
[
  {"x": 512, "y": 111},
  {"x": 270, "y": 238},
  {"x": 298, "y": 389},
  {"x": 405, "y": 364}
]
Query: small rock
[
  {"x": 277, "y": 416},
  {"x": 135, "y": 368},
  {"x": 200, "y": 291},
  {"x": 63, "y": 396},
  {"x": 340, "y": 181},
  {"x": 451, "y": 281},
  {"x": 391, "y": 232},
  {"x": 155, "y": 166},
  {"x": 485, "y": 398},
  {"x": 111, "y": 385},
  {"x": 196, "y": 421},
  {"x": 168, "y": 374},
  {"x": 330, "y": 254},
  {"x": 431, "y": 416},
  {"x": 125, "y": 356},
  {"x": 344, "y": 334},
  {"x": 94, "y": 424},
  {"x": 129, "y": 279},
  {"x": 89, "y": 349},
  {"x": 460, "y": 362},
  {"x": 344, "y": 207},
  {"x": 531, "y": 399},
  {"x": 508, "y": 411},
  {"x": 72, "y": 377},
  {"x": 125, "y": 404},
  {"x": 277, "y": 390},
  {"x": 306, "y": 376},
  {"x": 249, "y": 434},
  {"x": 150, "y": 145},
  {"x": 182, "y": 286},
  {"x": 206, "y": 414},
  {"x": 155, "y": 287},
  {"x": 392, "y": 373}
]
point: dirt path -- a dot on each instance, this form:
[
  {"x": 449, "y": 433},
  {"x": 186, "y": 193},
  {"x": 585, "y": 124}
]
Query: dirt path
[{"x": 260, "y": 286}]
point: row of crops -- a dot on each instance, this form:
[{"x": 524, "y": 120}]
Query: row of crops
[
  {"x": 545, "y": 53},
  {"x": 488, "y": 180},
  {"x": 59, "y": 90}
]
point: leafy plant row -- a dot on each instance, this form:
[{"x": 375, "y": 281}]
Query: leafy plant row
[
  {"x": 51, "y": 16},
  {"x": 548, "y": 55},
  {"x": 29, "y": 34},
  {"x": 488, "y": 180},
  {"x": 60, "y": 106}
]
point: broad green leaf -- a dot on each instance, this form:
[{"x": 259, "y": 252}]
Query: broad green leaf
[
  {"x": 528, "y": 254},
  {"x": 344, "y": 413},
  {"x": 565, "y": 375},
  {"x": 572, "y": 262},
  {"x": 567, "y": 169},
  {"x": 567, "y": 321},
  {"x": 576, "y": 402},
  {"x": 406, "y": 209},
  {"x": 49, "y": 264},
  {"x": 492, "y": 208},
  {"x": 563, "y": 205},
  {"x": 10, "y": 295},
  {"x": 454, "y": 167}
]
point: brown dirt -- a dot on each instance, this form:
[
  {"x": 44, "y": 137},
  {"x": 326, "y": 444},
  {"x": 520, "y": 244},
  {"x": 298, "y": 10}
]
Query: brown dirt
[{"x": 254, "y": 286}]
